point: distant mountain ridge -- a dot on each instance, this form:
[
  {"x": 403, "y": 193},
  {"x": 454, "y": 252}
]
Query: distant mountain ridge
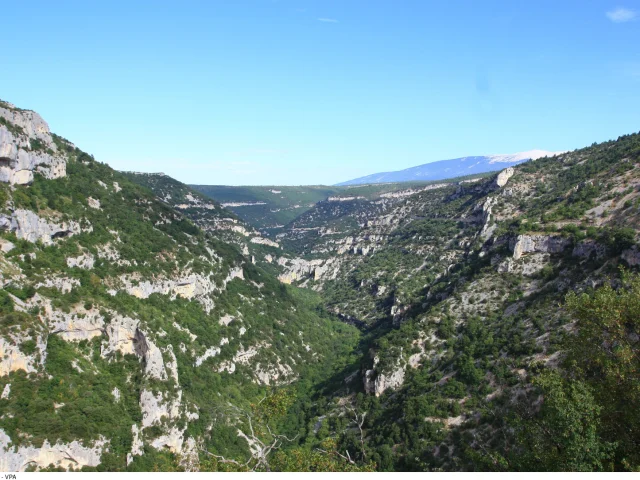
[{"x": 455, "y": 167}]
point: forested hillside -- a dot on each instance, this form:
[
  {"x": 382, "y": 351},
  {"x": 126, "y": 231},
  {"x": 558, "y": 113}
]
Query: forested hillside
[
  {"x": 485, "y": 323},
  {"x": 130, "y": 337}
]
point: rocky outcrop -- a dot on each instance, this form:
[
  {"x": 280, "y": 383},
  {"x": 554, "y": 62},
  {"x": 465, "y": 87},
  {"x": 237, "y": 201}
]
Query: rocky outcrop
[
  {"x": 121, "y": 333},
  {"x": 157, "y": 406},
  {"x": 137, "y": 445},
  {"x": 75, "y": 326},
  {"x": 26, "y": 146},
  {"x": 375, "y": 383},
  {"x": 195, "y": 286},
  {"x": 124, "y": 335},
  {"x": 13, "y": 358},
  {"x": 538, "y": 243},
  {"x": 265, "y": 241},
  {"x": 64, "y": 284},
  {"x": 208, "y": 353},
  {"x": 297, "y": 269},
  {"x": 484, "y": 210},
  {"x": 86, "y": 261},
  {"x": 503, "y": 177},
  {"x": 277, "y": 374},
  {"x": 30, "y": 227},
  {"x": 68, "y": 456}
]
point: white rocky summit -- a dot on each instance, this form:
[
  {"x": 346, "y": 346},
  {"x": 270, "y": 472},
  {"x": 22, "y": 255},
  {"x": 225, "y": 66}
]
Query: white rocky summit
[{"x": 26, "y": 146}]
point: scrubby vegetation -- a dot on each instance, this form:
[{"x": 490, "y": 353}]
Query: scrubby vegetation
[{"x": 494, "y": 328}]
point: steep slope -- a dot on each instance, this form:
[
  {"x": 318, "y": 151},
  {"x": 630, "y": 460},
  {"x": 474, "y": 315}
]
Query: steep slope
[
  {"x": 451, "y": 168},
  {"x": 212, "y": 217},
  {"x": 270, "y": 209},
  {"x": 124, "y": 327},
  {"x": 463, "y": 296},
  {"x": 354, "y": 224},
  {"x": 267, "y": 208}
]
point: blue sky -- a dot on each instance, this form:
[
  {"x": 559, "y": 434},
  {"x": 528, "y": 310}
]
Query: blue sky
[{"x": 321, "y": 91}]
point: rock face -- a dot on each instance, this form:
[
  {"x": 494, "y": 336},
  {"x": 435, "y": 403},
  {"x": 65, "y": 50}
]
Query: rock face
[
  {"x": 485, "y": 210},
  {"x": 375, "y": 383},
  {"x": 12, "y": 358},
  {"x": 85, "y": 261},
  {"x": 75, "y": 326},
  {"x": 73, "y": 455},
  {"x": 30, "y": 227},
  {"x": 504, "y": 176},
  {"x": 538, "y": 243},
  {"x": 125, "y": 336},
  {"x": 188, "y": 285},
  {"x": 26, "y": 146},
  {"x": 298, "y": 269},
  {"x": 265, "y": 241}
]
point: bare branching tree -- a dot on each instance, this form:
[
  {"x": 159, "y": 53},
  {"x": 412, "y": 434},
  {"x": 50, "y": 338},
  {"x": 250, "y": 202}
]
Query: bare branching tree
[{"x": 255, "y": 430}]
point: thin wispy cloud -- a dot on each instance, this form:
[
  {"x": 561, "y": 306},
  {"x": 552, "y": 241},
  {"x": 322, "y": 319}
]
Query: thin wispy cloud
[
  {"x": 621, "y": 15},
  {"x": 328, "y": 20}
]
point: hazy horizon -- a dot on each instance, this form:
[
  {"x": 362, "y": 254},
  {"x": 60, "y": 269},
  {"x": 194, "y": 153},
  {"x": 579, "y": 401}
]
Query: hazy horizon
[{"x": 306, "y": 92}]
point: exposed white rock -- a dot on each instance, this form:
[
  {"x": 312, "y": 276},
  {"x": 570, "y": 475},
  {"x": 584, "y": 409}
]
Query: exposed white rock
[
  {"x": 243, "y": 356},
  {"x": 64, "y": 284},
  {"x": 299, "y": 269},
  {"x": 265, "y": 241},
  {"x": 412, "y": 191},
  {"x": 121, "y": 333},
  {"x": 155, "y": 407},
  {"x": 154, "y": 363},
  {"x": 6, "y": 246},
  {"x": 344, "y": 199},
  {"x": 86, "y": 261},
  {"x": 61, "y": 455},
  {"x": 137, "y": 445},
  {"x": 29, "y": 226},
  {"x": 18, "y": 159},
  {"x": 5, "y": 392},
  {"x": 172, "y": 439},
  {"x": 116, "y": 394},
  {"x": 383, "y": 382},
  {"x": 172, "y": 364},
  {"x": 278, "y": 374},
  {"x": 375, "y": 383},
  {"x": 189, "y": 458},
  {"x": 94, "y": 203},
  {"x": 226, "y": 320},
  {"x": 12, "y": 358},
  {"x": 77, "y": 325},
  {"x": 191, "y": 286},
  {"x": 538, "y": 243},
  {"x": 242, "y": 204},
  {"x": 209, "y": 353},
  {"x": 227, "y": 366},
  {"x": 504, "y": 176},
  {"x": 485, "y": 217}
]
